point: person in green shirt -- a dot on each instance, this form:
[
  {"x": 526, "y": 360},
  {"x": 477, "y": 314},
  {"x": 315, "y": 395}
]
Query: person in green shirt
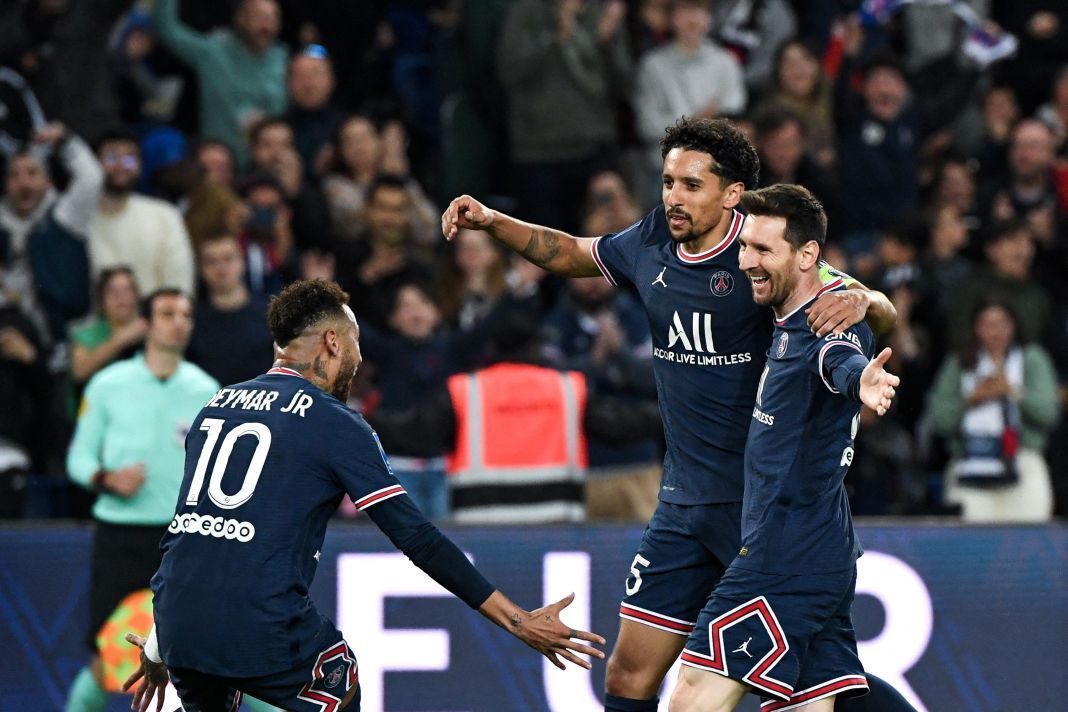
[
  {"x": 129, "y": 447},
  {"x": 241, "y": 71},
  {"x": 996, "y": 401},
  {"x": 114, "y": 333}
]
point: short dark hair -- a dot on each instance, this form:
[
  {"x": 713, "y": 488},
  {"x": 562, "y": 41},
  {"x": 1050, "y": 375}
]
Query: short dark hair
[
  {"x": 302, "y": 304},
  {"x": 261, "y": 179},
  {"x": 116, "y": 134},
  {"x": 773, "y": 118},
  {"x": 263, "y": 124},
  {"x": 149, "y": 302},
  {"x": 805, "y": 217},
  {"x": 385, "y": 180},
  {"x": 885, "y": 59},
  {"x": 734, "y": 159},
  {"x": 109, "y": 273},
  {"x": 1001, "y": 229}
]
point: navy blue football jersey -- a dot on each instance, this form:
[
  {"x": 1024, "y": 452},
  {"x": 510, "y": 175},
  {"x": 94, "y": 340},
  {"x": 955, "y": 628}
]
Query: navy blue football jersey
[
  {"x": 709, "y": 339},
  {"x": 795, "y": 515},
  {"x": 267, "y": 463}
]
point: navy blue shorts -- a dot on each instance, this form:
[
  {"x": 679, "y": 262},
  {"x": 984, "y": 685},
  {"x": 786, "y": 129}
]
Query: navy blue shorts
[
  {"x": 790, "y": 637},
  {"x": 684, "y": 551},
  {"x": 317, "y": 685}
]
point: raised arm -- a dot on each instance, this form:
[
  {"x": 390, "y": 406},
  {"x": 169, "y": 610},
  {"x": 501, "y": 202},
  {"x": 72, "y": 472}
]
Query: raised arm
[
  {"x": 552, "y": 250},
  {"x": 186, "y": 43}
]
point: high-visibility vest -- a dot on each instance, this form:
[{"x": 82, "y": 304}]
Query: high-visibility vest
[{"x": 520, "y": 454}]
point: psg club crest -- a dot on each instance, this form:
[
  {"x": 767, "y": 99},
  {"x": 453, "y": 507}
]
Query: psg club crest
[
  {"x": 784, "y": 341},
  {"x": 334, "y": 677},
  {"x": 722, "y": 283}
]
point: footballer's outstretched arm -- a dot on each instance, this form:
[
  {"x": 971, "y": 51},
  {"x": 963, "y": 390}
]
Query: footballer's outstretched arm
[
  {"x": 434, "y": 553},
  {"x": 552, "y": 250}
]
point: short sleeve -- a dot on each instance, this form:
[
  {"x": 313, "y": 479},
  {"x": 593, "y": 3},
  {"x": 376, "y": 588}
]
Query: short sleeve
[
  {"x": 362, "y": 468},
  {"x": 829, "y": 275},
  {"x": 834, "y": 350},
  {"x": 616, "y": 254}
]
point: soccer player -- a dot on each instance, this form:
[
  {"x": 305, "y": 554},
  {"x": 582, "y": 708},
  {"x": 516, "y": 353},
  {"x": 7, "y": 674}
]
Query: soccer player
[
  {"x": 709, "y": 343},
  {"x": 267, "y": 462},
  {"x": 778, "y": 622}
]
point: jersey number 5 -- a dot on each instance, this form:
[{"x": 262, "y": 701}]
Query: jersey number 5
[{"x": 214, "y": 427}]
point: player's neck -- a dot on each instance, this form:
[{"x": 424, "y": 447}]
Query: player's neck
[
  {"x": 711, "y": 238},
  {"x": 808, "y": 285},
  {"x": 310, "y": 369}
]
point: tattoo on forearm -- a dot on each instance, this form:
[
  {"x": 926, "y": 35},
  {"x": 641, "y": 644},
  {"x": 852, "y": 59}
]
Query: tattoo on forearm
[
  {"x": 516, "y": 622},
  {"x": 542, "y": 247}
]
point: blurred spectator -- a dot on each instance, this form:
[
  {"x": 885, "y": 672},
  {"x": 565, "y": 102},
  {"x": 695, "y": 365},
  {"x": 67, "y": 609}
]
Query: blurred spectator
[
  {"x": 267, "y": 235},
  {"x": 116, "y": 331},
  {"x": 147, "y": 88},
  {"x": 241, "y": 72},
  {"x": 273, "y": 151},
  {"x": 800, "y": 85},
  {"x": 412, "y": 359},
  {"x": 880, "y": 136},
  {"x": 360, "y": 154},
  {"x": 604, "y": 334},
  {"x": 754, "y": 30},
  {"x": 44, "y": 232},
  {"x": 1054, "y": 113},
  {"x": 312, "y": 114},
  {"x": 1000, "y": 111},
  {"x": 953, "y": 187},
  {"x": 782, "y": 144},
  {"x": 1007, "y": 276},
  {"x": 1042, "y": 27},
  {"x": 693, "y": 76},
  {"x": 370, "y": 267},
  {"x": 129, "y": 446},
  {"x": 996, "y": 401},
  {"x": 61, "y": 47},
  {"x": 472, "y": 280},
  {"x": 651, "y": 25},
  {"x": 146, "y": 234},
  {"x": 26, "y": 419},
  {"x": 219, "y": 163},
  {"x": 944, "y": 270},
  {"x": 516, "y": 431},
  {"x": 230, "y": 338},
  {"x": 564, "y": 65},
  {"x": 610, "y": 206}
]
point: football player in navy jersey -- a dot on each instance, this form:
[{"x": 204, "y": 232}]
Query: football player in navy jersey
[
  {"x": 778, "y": 622},
  {"x": 709, "y": 345},
  {"x": 267, "y": 462}
]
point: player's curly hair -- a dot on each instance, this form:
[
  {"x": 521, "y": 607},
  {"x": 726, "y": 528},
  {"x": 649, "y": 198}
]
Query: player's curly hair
[
  {"x": 734, "y": 159},
  {"x": 302, "y": 304},
  {"x": 804, "y": 214}
]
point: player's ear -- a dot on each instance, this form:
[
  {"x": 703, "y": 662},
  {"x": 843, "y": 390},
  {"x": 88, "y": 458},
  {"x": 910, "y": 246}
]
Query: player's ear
[
  {"x": 332, "y": 342},
  {"x": 810, "y": 254},
  {"x": 733, "y": 195}
]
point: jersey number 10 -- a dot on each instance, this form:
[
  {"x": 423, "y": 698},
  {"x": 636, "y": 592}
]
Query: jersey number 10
[{"x": 214, "y": 427}]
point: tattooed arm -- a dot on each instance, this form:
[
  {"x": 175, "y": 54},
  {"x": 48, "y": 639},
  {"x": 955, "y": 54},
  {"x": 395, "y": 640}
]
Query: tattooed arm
[{"x": 552, "y": 250}]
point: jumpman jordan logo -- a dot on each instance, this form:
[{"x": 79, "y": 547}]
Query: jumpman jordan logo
[
  {"x": 660, "y": 278},
  {"x": 744, "y": 647}
]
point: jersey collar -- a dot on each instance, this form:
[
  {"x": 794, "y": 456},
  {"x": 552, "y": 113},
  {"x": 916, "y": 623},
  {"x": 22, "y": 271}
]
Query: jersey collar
[
  {"x": 284, "y": 371},
  {"x": 823, "y": 290},
  {"x": 732, "y": 234}
]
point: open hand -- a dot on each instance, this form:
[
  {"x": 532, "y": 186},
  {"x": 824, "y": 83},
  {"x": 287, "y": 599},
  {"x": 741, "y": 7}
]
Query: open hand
[
  {"x": 125, "y": 481},
  {"x": 545, "y": 632},
  {"x": 154, "y": 678},
  {"x": 465, "y": 213},
  {"x": 878, "y": 386}
]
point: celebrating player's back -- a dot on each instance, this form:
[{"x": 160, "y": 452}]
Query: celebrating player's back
[{"x": 267, "y": 463}]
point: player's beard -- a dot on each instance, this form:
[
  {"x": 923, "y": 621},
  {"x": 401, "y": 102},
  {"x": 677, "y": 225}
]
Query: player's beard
[
  {"x": 345, "y": 373},
  {"x": 688, "y": 236},
  {"x": 780, "y": 286}
]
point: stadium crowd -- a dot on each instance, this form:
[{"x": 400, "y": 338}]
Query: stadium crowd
[{"x": 226, "y": 149}]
